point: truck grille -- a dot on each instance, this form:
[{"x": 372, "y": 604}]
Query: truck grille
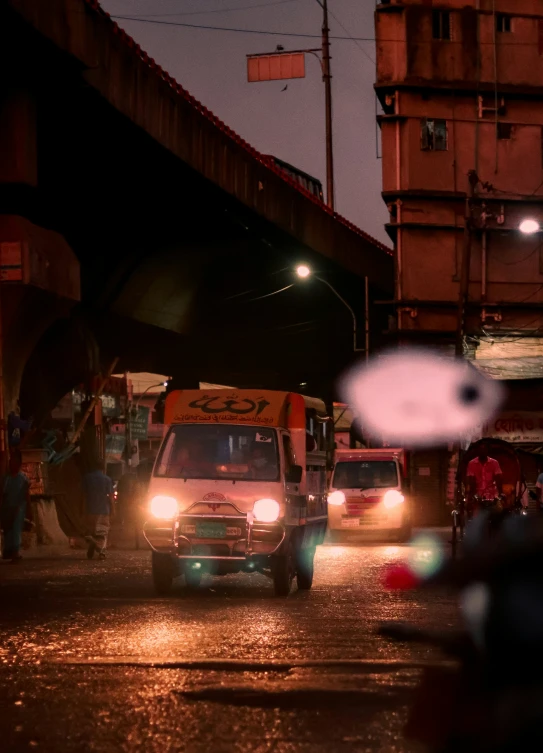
[{"x": 358, "y": 506}]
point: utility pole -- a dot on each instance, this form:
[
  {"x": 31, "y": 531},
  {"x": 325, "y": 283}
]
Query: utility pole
[
  {"x": 465, "y": 265},
  {"x": 128, "y": 424},
  {"x": 282, "y": 64},
  {"x": 327, "y": 78}
]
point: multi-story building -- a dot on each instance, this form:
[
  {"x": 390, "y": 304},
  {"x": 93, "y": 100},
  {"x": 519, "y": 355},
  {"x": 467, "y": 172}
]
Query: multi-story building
[{"x": 460, "y": 83}]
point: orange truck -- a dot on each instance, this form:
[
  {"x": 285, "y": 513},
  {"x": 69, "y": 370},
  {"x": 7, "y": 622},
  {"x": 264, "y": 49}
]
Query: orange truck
[{"x": 239, "y": 484}]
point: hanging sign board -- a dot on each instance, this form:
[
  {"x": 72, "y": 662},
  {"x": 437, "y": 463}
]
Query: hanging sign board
[
  {"x": 278, "y": 67},
  {"x": 139, "y": 423}
]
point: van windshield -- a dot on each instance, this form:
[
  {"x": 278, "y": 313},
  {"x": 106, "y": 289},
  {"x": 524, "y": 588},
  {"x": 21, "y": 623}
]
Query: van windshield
[
  {"x": 369, "y": 474},
  {"x": 219, "y": 452}
]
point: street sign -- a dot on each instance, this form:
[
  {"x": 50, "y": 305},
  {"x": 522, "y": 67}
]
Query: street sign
[
  {"x": 139, "y": 423},
  {"x": 277, "y": 67},
  {"x": 115, "y": 444}
]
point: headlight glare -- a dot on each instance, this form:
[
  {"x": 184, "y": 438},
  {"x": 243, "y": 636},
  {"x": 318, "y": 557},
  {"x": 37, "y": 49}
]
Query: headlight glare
[
  {"x": 393, "y": 498},
  {"x": 164, "y": 507},
  {"x": 336, "y": 498},
  {"x": 266, "y": 510}
]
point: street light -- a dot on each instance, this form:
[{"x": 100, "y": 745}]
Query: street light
[
  {"x": 529, "y": 226},
  {"x": 303, "y": 272},
  {"x": 151, "y": 387}
]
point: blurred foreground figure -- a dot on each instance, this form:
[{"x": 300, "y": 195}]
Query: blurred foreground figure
[
  {"x": 415, "y": 398},
  {"x": 14, "y": 501},
  {"x": 98, "y": 490},
  {"x": 492, "y": 700}
]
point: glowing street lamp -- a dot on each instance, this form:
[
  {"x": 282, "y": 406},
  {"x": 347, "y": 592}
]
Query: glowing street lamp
[
  {"x": 529, "y": 226},
  {"x": 303, "y": 272},
  {"x": 151, "y": 387}
]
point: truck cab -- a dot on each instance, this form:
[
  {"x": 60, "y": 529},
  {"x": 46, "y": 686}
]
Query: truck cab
[
  {"x": 239, "y": 484},
  {"x": 368, "y": 495}
]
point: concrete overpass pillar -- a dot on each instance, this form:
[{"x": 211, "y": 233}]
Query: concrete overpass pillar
[
  {"x": 39, "y": 273},
  {"x": 18, "y": 138}
]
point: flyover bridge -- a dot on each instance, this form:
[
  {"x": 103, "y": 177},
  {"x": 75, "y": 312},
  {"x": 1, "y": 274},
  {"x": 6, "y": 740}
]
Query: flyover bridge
[{"x": 133, "y": 222}]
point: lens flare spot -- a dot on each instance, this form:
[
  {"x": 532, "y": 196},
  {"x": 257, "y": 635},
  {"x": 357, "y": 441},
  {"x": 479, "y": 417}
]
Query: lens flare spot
[
  {"x": 399, "y": 578},
  {"x": 425, "y": 555}
]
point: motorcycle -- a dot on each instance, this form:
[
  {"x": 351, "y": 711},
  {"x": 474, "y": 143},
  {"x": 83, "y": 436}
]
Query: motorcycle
[{"x": 489, "y": 697}]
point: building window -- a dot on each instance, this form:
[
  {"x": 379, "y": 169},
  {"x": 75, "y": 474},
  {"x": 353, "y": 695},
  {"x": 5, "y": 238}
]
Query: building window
[
  {"x": 505, "y": 130},
  {"x": 433, "y": 135},
  {"x": 441, "y": 24},
  {"x": 503, "y": 22}
]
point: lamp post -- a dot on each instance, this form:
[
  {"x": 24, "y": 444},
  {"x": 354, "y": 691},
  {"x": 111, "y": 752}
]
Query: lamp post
[
  {"x": 151, "y": 387},
  {"x": 280, "y": 72},
  {"x": 132, "y": 410},
  {"x": 304, "y": 272}
]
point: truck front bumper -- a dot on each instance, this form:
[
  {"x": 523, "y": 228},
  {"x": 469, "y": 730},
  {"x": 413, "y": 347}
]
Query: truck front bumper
[{"x": 244, "y": 538}]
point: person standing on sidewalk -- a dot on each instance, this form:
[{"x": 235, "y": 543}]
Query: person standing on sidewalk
[
  {"x": 98, "y": 490},
  {"x": 13, "y": 504}
]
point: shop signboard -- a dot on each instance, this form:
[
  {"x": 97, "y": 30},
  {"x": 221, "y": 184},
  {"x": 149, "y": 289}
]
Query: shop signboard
[
  {"x": 111, "y": 404},
  {"x": 139, "y": 423},
  {"x": 115, "y": 444},
  {"x": 516, "y": 427}
]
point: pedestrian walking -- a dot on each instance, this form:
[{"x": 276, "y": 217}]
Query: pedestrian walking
[
  {"x": 98, "y": 490},
  {"x": 13, "y": 504}
]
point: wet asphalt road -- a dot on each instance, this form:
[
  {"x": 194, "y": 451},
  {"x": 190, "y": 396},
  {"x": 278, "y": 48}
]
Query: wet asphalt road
[{"x": 92, "y": 660}]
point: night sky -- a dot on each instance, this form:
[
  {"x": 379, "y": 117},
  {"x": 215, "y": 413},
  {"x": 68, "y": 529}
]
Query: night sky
[{"x": 289, "y": 124}]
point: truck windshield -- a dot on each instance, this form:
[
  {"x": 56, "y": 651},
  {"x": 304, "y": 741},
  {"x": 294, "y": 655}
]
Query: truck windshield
[
  {"x": 219, "y": 452},
  {"x": 369, "y": 474}
]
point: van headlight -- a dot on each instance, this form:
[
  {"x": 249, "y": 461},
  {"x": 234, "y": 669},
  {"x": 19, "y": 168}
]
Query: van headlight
[
  {"x": 266, "y": 510},
  {"x": 165, "y": 508},
  {"x": 393, "y": 498},
  {"x": 336, "y": 498}
]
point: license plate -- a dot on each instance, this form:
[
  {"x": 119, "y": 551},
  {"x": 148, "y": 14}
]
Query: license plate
[
  {"x": 210, "y": 530},
  {"x": 372, "y": 520},
  {"x": 350, "y": 523}
]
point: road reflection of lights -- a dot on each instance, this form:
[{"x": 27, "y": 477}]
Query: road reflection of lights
[
  {"x": 335, "y": 551},
  {"x": 391, "y": 551},
  {"x": 425, "y": 555}
]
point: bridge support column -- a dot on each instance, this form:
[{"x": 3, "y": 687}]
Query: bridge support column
[{"x": 39, "y": 274}]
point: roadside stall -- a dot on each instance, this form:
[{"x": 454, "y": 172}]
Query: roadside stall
[{"x": 43, "y": 514}]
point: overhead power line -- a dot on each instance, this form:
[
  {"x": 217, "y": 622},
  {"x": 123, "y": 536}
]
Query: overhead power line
[
  {"x": 349, "y": 38},
  {"x": 231, "y": 29},
  {"x": 213, "y": 10}
]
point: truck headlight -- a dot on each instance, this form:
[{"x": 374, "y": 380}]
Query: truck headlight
[
  {"x": 393, "y": 498},
  {"x": 164, "y": 507},
  {"x": 336, "y": 498},
  {"x": 266, "y": 510}
]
